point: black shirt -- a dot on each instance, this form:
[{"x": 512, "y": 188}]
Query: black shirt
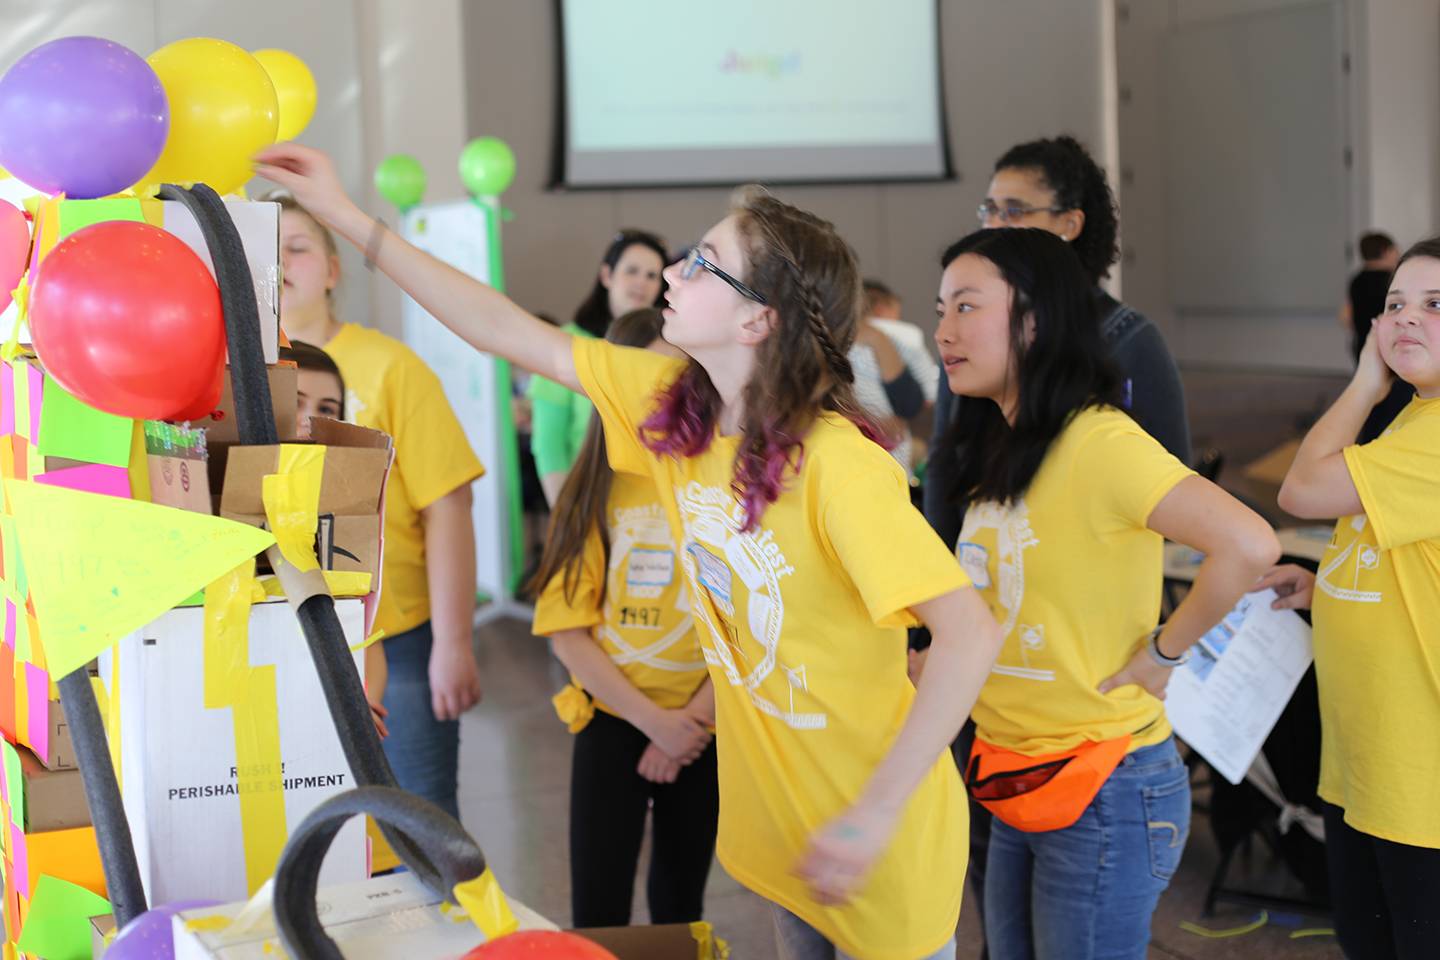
[{"x": 1367, "y": 301}]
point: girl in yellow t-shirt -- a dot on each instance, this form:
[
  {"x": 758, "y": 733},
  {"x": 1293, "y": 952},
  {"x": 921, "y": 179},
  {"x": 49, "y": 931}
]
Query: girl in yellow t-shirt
[
  {"x": 802, "y": 555},
  {"x": 1377, "y": 627},
  {"x": 1067, "y": 501},
  {"x": 641, "y": 703}
]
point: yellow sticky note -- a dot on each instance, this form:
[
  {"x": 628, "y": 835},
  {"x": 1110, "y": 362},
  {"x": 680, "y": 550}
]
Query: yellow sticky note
[
  {"x": 485, "y": 902},
  {"x": 292, "y": 502},
  {"x": 100, "y": 567}
]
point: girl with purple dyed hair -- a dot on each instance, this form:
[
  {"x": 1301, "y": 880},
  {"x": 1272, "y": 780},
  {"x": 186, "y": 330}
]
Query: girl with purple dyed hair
[{"x": 802, "y": 556}]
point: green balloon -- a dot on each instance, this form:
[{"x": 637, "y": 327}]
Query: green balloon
[
  {"x": 487, "y": 166},
  {"x": 401, "y": 180}
]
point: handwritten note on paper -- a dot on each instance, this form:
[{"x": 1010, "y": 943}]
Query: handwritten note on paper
[
  {"x": 1224, "y": 702},
  {"x": 100, "y": 567}
]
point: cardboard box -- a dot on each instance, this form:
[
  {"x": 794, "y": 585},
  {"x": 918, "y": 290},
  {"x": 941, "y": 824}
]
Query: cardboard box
[
  {"x": 258, "y": 224},
  {"x": 670, "y": 941},
  {"x": 283, "y": 390},
  {"x": 351, "y": 491},
  {"x": 178, "y": 766},
  {"x": 54, "y": 799},
  {"x": 384, "y": 917},
  {"x": 62, "y": 748},
  {"x": 177, "y": 462}
]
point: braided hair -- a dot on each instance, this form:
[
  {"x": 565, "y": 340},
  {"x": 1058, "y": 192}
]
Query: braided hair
[
  {"x": 809, "y": 275},
  {"x": 1078, "y": 183}
]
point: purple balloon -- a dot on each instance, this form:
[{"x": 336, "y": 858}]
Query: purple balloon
[
  {"x": 81, "y": 115},
  {"x": 150, "y": 936}
]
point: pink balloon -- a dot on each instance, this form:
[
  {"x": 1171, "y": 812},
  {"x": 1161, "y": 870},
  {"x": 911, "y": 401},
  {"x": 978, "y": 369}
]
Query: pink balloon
[{"x": 14, "y": 249}]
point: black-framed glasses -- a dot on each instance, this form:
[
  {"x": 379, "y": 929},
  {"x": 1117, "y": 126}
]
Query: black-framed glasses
[
  {"x": 694, "y": 260},
  {"x": 1010, "y": 212}
]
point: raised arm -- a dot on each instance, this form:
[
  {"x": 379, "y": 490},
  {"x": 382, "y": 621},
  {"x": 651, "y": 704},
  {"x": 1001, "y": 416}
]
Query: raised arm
[{"x": 482, "y": 316}]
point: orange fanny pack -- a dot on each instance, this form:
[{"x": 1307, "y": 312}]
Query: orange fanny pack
[{"x": 1041, "y": 793}]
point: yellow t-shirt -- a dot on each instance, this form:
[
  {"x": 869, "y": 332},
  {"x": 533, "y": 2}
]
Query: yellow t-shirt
[
  {"x": 644, "y": 623},
  {"x": 1377, "y": 637},
  {"x": 389, "y": 388},
  {"x": 801, "y": 624},
  {"x": 1074, "y": 577}
]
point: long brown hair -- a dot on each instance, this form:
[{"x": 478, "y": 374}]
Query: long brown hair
[
  {"x": 808, "y": 274},
  {"x": 581, "y": 505}
]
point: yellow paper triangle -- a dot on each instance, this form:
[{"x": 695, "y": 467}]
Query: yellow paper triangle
[{"x": 100, "y": 567}]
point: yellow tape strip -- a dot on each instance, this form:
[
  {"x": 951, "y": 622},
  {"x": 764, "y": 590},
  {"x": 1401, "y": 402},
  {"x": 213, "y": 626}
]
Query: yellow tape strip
[
  {"x": 1312, "y": 932},
  {"x": 1251, "y": 927},
  {"x": 707, "y": 945},
  {"x": 250, "y": 693},
  {"x": 21, "y": 296},
  {"x": 485, "y": 902},
  {"x": 342, "y": 583},
  {"x": 374, "y": 638},
  {"x": 292, "y": 502}
]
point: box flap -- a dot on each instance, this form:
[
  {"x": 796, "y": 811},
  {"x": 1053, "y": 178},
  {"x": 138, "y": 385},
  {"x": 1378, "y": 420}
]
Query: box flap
[{"x": 351, "y": 484}]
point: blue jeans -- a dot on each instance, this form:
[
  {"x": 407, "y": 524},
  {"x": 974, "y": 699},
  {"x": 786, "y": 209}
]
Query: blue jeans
[
  {"x": 423, "y": 752},
  {"x": 797, "y": 940},
  {"x": 1087, "y": 892}
]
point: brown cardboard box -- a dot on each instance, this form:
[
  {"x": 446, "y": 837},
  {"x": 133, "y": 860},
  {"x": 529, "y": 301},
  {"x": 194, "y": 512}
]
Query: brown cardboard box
[
  {"x": 54, "y": 799},
  {"x": 670, "y": 941},
  {"x": 62, "y": 748},
  {"x": 1272, "y": 467},
  {"x": 351, "y": 492},
  {"x": 176, "y": 462},
  {"x": 222, "y": 427}
]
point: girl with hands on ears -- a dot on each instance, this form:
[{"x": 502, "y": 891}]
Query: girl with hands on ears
[{"x": 801, "y": 554}]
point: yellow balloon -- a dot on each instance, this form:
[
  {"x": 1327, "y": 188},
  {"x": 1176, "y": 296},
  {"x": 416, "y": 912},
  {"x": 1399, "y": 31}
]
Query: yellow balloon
[
  {"x": 223, "y": 110},
  {"x": 295, "y": 88}
]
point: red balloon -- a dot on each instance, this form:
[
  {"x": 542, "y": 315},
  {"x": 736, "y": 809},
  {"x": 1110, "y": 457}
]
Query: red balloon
[
  {"x": 128, "y": 319},
  {"x": 540, "y": 945},
  {"x": 14, "y": 249}
]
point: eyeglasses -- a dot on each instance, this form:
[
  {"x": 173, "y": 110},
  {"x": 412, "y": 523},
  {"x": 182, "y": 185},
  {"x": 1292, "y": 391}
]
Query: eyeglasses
[
  {"x": 694, "y": 260},
  {"x": 1010, "y": 212}
]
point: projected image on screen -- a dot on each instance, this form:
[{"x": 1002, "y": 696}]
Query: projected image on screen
[{"x": 659, "y": 91}]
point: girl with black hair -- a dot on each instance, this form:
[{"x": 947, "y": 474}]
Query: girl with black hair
[
  {"x": 640, "y": 702},
  {"x": 628, "y": 279},
  {"x": 1067, "y": 503},
  {"x": 1055, "y": 185}
]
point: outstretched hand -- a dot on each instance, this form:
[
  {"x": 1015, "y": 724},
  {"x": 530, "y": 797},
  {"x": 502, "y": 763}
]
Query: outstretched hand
[{"x": 309, "y": 175}]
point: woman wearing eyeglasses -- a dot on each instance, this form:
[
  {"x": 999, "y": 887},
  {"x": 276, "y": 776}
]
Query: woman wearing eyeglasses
[
  {"x": 628, "y": 279},
  {"x": 1056, "y": 186},
  {"x": 802, "y": 558},
  {"x": 1066, "y": 504}
]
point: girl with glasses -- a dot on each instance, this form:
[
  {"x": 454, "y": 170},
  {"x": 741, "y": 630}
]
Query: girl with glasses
[
  {"x": 802, "y": 557},
  {"x": 1067, "y": 503},
  {"x": 628, "y": 279}
]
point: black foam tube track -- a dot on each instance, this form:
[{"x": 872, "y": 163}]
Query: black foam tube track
[
  {"x": 456, "y": 855},
  {"x": 102, "y": 792},
  {"x": 255, "y": 423}
]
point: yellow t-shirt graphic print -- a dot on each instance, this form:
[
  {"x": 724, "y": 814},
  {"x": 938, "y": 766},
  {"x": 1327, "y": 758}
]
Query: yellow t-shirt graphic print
[
  {"x": 644, "y": 623},
  {"x": 1073, "y": 576},
  {"x": 801, "y": 623},
  {"x": 1377, "y": 637}
]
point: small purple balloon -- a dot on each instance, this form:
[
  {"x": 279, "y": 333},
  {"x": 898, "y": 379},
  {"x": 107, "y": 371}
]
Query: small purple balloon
[
  {"x": 81, "y": 115},
  {"x": 150, "y": 936}
]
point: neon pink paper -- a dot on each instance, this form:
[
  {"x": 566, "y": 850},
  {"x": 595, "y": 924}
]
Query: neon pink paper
[
  {"x": 91, "y": 478},
  {"x": 37, "y": 685}
]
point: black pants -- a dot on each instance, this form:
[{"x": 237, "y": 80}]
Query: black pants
[
  {"x": 1386, "y": 895},
  {"x": 608, "y": 804}
]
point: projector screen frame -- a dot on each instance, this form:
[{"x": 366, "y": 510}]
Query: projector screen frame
[{"x": 560, "y": 141}]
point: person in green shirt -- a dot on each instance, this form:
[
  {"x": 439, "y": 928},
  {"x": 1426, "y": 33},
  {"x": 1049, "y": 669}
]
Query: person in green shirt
[{"x": 628, "y": 279}]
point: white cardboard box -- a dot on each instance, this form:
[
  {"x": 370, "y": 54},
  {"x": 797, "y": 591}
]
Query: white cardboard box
[
  {"x": 178, "y": 757},
  {"x": 384, "y": 917}
]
